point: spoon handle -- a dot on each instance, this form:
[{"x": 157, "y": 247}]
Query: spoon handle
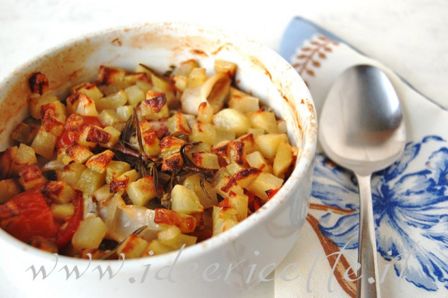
[{"x": 368, "y": 282}]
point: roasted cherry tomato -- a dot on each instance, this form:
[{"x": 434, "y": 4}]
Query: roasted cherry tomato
[{"x": 66, "y": 233}]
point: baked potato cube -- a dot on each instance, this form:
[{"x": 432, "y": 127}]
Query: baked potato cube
[
  {"x": 249, "y": 143},
  {"x": 142, "y": 191},
  {"x": 144, "y": 86},
  {"x": 135, "y": 95},
  {"x": 223, "y": 219},
  {"x": 89, "y": 89},
  {"x": 89, "y": 234},
  {"x": 59, "y": 192},
  {"x": 225, "y": 185},
  {"x": 71, "y": 173},
  {"x": 233, "y": 168},
  {"x": 62, "y": 211},
  {"x": 157, "y": 248},
  {"x": 151, "y": 143},
  {"x": 172, "y": 162},
  {"x": 134, "y": 78},
  {"x": 203, "y": 189},
  {"x": 89, "y": 181},
  {"x": 265, "y": 185},
  {"x": 154, "y": 107},
  {"x": 180, "y": 82},
  {"x": 246, "y": 176},
  {"x": 268, "y": 144},
  {"x": 239, "y": 202},
  {"x": 264, "y": 120},
  {"x": 236, "y": 151},
  {"x": 203, "y": 132},
  {"x": 75, "y": 153},
  {"x": 257, "y": 161},
  {"x": 31, "y": 176},
  {"x": 159, "y": 84},
  {"x": 178, "y": 124},
  {"x": 24, "y": 133},
  {"x": 25, "y": 155},
  {"x": 114, "y": 136},
  {"x": 103, "y": 193},
  {"x": 185, "y": 200},
  {"x": 243, "y": 102},
  {"x": 256, "y": 131},
  {"x": 125, "y": 112},
  {"x": 112, "y": 101},
  {"x": 133, "y": 247},
  {"x": 205, "y": 112},
  {"x": 36, "y": 103},
  {"x": 110, "y": 75},
  {"x": 170, "y": 236},
  {"x": 205, "y": 160},
  {"x": 55, "y": 109},
  {"x": 115, "y": 168},
  {"x": 232, "y": 120},
  {"x": 121, "y": 182},
  {"x": 224, "y": 135},
  {"x": 100, "y": 161},
  {"x": 186, "y": 67},
  {"x": 92, "y": 135},
  {"x": 86, "y": 106},
  {"x": 44, "y": 143},
  {"x": 226, "y": 67},
  {"x": 9, "y": 188},
  {"x": 108, "y": 117},
  {"x": 196, "y": 77},
  {"x": 283, "y": 159}
]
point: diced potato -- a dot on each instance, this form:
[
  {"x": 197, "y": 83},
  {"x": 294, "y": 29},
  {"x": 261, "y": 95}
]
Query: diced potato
[
  {"x": 203, "y": 132},
  {"x": 224, "y": 135},
  {"x": 90, "y": 181},
  {"x": 265, "y": 185},
  {"x": 223, "y": 219},
  {"x": 103, "y": 193},
  {"x": 225, "y": 67},
  {"x": 154, "y": 107},
  {"x": 125, "y": 112},
  {"x": 135, "y": 78},
  {"x": 114, "y": 136},
  {"x": 112, "y": 101},
  {"x": 239, "y": 202},
  {"x": 115, "y": 168},
  {"x": 144, "y": 86},
  {"x": 257, "y": 161},
  {"x": 159, "y": 84},
  {"x": 9, "y": 188},
  {"x": 31, "y": 176},
  {"x": 62, "y": 211},
  {"x": 36, "y": 103},
  {"x": 92, "y": 135},
  {"x": 249, "y": 143},
  {"x": 233, "y": 168},
  {"x": 89, "y": 234},
  {"x": 246, "y": 176},
  {"x": 44, "y": 143},
  {"x": 89, "y": 89},
  {"x": 184, "y": 200},
  {"x": 205, "y": 192},
  {"x": 25, "y": 155},
  {"x": 283, "y": 159},
  {"x": 178, "y": 124},
  {"x": 157, "y": 248},
  {"x": 86, "y": 106},
  {"x": 236, "y": 151},
  {"x": 100, "y": 161},
  {"x": 180, "y": 82},
  {"x": 135, "y": 95},
  {"x": 264, "y": 120},
  {"x": 59, "y": 192},
  {"x": 55, "y": 109},
  {"x": 186, "y": 67},
  {"x": 256, "y": 131},
  {"x": 205, "y": 160},
  {"x": 205, "y": 112},
  {"x": 142, "y": 191},
  {"x": 196, "y": 77},
  {"x": 151, "y": 143},
  {"x": 24, "y": 133},
  {"x": 109, "y": 117},
  {"x": 76, "y": 153},
  {"x": 268, "y": 143},
  {"x": 111, "y": 75},
  {"x": 170, "y": 236},
  {"x": 121, "y": 182},
  {"x": 71, "y": 173},
  {"x": 232, "y": 120},
  {"x": 133, "y": 247},
  {"x": 243, "y": 102}
]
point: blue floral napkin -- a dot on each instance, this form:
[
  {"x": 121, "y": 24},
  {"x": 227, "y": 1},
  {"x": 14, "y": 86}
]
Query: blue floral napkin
[{"x": 410, "y": 198}]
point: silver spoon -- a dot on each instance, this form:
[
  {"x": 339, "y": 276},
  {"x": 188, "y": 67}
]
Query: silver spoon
[{"x": 362, "y": 129}]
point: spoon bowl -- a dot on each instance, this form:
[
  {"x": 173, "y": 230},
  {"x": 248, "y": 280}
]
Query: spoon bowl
[{"x": 362, "y": 129}]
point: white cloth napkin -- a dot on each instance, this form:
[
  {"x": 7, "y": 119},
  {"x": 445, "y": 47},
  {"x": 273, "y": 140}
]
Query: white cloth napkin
[{"x": 410, "y": 198}]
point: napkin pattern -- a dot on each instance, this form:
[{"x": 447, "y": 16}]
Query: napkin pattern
[{"x": 410, "y": 198}]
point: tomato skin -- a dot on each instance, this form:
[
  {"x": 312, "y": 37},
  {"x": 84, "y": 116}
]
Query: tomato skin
[
  {"x": 185, "y": 223},
  {"x": 27, "y": 215},
  {"x": 66, "y": 233}
]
